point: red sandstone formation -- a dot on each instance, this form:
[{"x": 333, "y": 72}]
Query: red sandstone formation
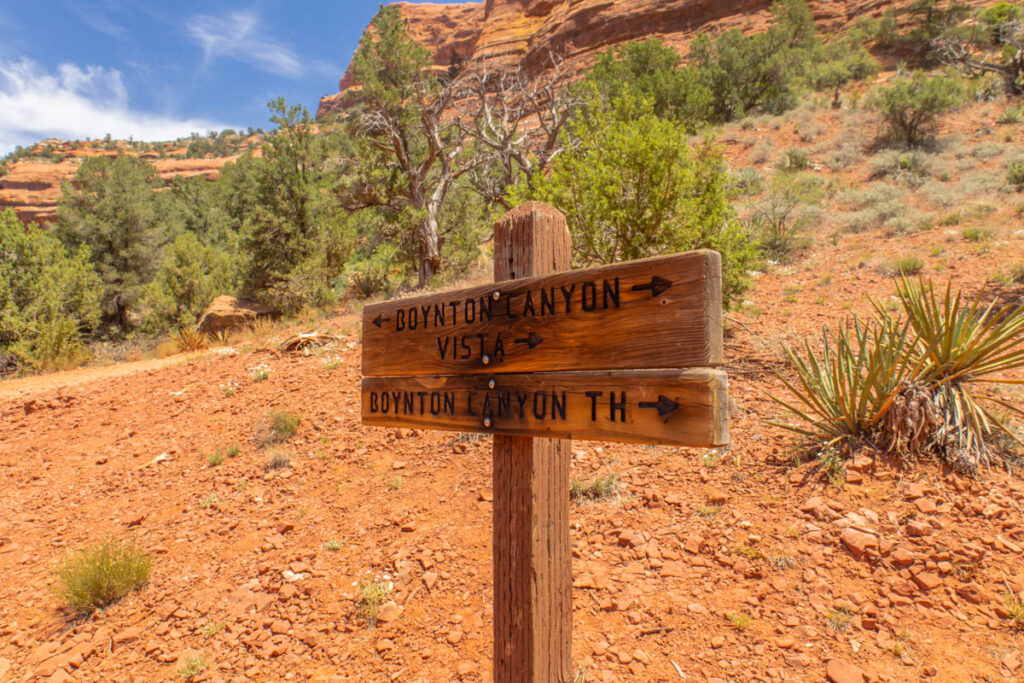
[
  {"x": 32, "y": 187},
  {"x": 527, "y": 31}
]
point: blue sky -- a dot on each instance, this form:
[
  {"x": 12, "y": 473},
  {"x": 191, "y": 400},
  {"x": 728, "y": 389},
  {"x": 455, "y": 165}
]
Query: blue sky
[{"x": 160, "y": 70}]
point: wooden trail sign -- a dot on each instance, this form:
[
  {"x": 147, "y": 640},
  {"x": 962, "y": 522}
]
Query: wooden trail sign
[
  {"x": 661, "y": 312},
  {"x": 619, "y": 353},
  {"x": 683, "y": 408}
]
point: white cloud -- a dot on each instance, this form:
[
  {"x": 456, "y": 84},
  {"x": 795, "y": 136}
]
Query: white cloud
[
  {"x": 238, "y": 35},
  {"x": 75, "y": 103}
]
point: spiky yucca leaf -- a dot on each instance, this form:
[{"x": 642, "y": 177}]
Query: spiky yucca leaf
[
  {"x": 846, "y": 390},
  {"x": 190, "y": 339}
]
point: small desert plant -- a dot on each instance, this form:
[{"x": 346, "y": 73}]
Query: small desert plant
[
  {"x": 707, "y": 511},
  {"x": 211, "y": 628},
  {"x": 281, "y": 425},
  {"x": 832, "y": 466},
  {"x": 192, "y": 667},
  {"x": 838, "y": 619},
  {"x": 211, "y": 501},
  {"x": 371, "y": 595},
  {"x": 747, "y": 182},
  {"x": 1012, "y": 115},
  {"x": 259, "y": 373},
  {"x": 740, "y": 620},
  {"x": 99, "y": 574},
  {"x": 907, "y": 265},
  {"x": 334, "y": 545},
  {"x": 190, "y": 339},
  {"x": 595, "y": 489},
  {"x": 793, "y": 160},
  {"x": 215, "y": 458},
  {"x": 229, "y": 388},
  {"x": 279, "y": 461},
  {"x": 976, "y": 234},
  {"x": 1015, "y": 608},
  {"x": 1015, "y": 175}
]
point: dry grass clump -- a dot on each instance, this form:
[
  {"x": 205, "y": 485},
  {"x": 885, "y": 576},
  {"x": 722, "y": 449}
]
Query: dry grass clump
[
  {"x": 912, "y": 384},
  {"x": 370, "y": 597},
  {"x": 281, "y": 425},
  {"x": 99, "y": 574},
  {"x": 190, "y": 339},
  {"x": 597, "y": 488}
]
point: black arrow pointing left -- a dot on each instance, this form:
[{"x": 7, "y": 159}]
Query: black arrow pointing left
[
  {"x": 380, "y": 320},
  {"x": 664, "y": 405}
]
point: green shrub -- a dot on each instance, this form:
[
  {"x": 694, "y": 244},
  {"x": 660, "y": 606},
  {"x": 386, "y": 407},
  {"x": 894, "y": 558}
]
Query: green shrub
[
  {"x": 633, "y": 188},
  {"x": 782, "y": 217},
  {"x": 977, "y": 234},
  {"x": 908, "y": 265},
  {"x": 910, "y": 105},
  {"x": 99, "y": 574},
  {"x": 1015, "y": 175},
  {"x": 907, "y": 385},
  {"x": 47, "y": 296},
  {"x": 189, "y": 278},
  {"x": 793, "y": 160}
]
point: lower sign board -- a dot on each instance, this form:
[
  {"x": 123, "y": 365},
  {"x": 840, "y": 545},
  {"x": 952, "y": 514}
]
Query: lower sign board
[{"x": 679, "y": 407}]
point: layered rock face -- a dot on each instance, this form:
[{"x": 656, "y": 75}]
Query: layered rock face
[
  {"x": 528, "y": 31},
  {"x": 32, "y": 188}
]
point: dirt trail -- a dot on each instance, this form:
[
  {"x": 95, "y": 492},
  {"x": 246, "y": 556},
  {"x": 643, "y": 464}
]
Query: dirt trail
[{"x": 27, "y": 386}]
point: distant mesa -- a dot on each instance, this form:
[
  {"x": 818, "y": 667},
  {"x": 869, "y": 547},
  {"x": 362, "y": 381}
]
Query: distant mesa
[
  {"x": 525, "y": 32},
  {"x": 31, "y": 185}
]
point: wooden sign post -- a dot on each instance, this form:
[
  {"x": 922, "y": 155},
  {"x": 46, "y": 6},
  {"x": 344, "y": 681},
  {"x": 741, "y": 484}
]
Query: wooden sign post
[{"x": 625, "y": 352}]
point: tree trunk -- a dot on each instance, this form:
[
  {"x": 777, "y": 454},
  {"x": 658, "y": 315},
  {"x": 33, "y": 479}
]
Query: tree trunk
[{"x": 430, "y": 247}]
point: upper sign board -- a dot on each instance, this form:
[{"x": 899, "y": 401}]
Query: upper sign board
[{"x": 662, "y": 312}]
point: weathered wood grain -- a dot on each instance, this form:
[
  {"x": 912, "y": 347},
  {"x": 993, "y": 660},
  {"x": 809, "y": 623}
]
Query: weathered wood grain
[
  {"x": 531, "y": 546},
  {"x": 662, "y": 312},
  {"x": 679, "y": 407}
]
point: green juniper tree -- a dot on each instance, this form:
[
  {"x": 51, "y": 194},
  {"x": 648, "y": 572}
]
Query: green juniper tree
[{"x": 48, "y": 297}]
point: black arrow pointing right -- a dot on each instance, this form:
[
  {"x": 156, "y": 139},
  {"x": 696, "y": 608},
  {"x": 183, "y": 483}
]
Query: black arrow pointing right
[
  {"x": 657, "y": 285},
  {"x": 531, "y": 340},
  {"x": 664, "y": 405}
]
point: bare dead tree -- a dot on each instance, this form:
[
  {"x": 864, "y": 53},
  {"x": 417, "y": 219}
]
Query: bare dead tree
[
  {"x": 515, "y": 122},
  {"x": 973, "y": 58},
  {"x": 420, "y": 154}
]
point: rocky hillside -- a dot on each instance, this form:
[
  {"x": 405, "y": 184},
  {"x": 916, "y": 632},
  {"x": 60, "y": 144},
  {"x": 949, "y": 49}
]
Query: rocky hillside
[
  {"x": 31, "y": 184},
  {"x": 527, "y": 31}
]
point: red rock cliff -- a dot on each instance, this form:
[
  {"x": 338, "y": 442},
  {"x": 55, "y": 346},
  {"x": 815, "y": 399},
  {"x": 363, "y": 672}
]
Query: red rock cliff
[{"x": 527, "y": 30}]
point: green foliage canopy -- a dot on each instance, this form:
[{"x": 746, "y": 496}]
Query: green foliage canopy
[
  {"x": 632, "y": 188},
  {"x": 47, "y": 296}
]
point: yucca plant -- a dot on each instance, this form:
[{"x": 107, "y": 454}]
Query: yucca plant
[
  {"x": 909, "y": 385},
  {"x": 844, "y": 392},
  {"x": 190, "y": 339},
  {"x": 961, "y": 344}
]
